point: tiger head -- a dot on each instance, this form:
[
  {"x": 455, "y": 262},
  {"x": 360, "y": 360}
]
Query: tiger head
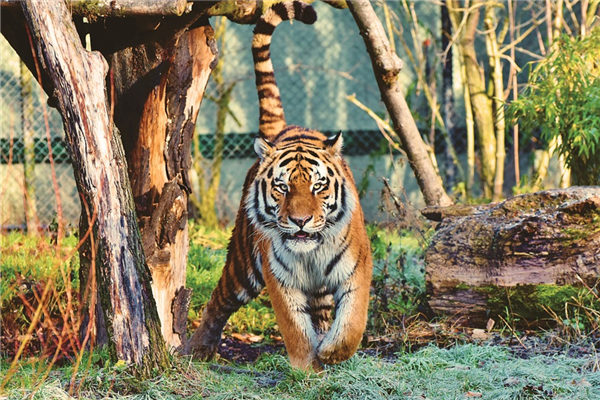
[{"x": 301, "y": 194}]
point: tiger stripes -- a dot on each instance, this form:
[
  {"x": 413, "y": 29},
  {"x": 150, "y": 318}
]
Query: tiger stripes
[
  {"x": 272, "y": 118},
  {"x": 299, "y": 232}
]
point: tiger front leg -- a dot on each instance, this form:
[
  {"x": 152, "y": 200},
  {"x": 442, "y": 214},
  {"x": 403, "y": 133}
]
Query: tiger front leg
[
  {"x": 345, "y": 335},
  {"x": 295, "y": 324}
]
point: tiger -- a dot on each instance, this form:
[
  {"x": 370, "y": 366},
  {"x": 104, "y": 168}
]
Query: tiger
[{"x": 299, "y": 231}]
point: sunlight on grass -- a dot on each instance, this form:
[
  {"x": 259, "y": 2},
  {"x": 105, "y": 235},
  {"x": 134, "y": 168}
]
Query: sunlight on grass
[
  {"x": 32, "y": 258},
  {"x": 462, "y": 371}
]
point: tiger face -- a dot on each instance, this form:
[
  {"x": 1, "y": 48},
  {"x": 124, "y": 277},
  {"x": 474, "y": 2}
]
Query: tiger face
[{"x": 300, "y": 196}]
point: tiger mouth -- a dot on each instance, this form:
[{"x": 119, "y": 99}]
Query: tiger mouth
[{"x": 302, "y": 236}]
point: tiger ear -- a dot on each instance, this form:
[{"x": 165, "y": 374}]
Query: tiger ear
[
  {"x": 334, "y": 143},
  {"x": 262, "y": 147}
]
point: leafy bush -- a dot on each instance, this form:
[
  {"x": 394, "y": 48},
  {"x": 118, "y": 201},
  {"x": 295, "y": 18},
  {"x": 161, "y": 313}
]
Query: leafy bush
[
  {"x": 562, "y": 100},
  {"x": 398, "y": 278}
]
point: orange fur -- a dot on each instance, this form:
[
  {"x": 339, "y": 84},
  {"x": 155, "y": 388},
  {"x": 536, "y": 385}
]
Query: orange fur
[{"x": 299, "y": 231}]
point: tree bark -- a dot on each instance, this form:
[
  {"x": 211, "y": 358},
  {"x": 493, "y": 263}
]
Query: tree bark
[
  {"x": 548, "y": 237},
  {"x": 497, "y": 82},
  {"x": 480, "y": 102},
  {"x": 118, "y": 8},
  {"x": 448, "y": 108},
  {"x": 158, "y": 87},
  {"x": 386, "y": 67},
  {"x": 100, "y": 173}
]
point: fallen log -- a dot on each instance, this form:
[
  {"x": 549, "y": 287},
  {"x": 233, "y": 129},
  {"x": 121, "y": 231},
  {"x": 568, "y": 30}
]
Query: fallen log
[{"x": 478, "y": 252}]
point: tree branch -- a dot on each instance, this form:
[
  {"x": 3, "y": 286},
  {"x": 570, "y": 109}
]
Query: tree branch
[
  {"x": 386, "y": 67},
  {"x": 119, "y": 8}
]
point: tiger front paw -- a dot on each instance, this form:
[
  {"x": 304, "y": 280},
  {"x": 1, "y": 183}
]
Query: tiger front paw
[
  {"x": 333, "y": 353},
  {"x": 202, "y": 347}
]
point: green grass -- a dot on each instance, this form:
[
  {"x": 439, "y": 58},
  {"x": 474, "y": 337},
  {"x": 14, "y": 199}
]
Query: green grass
[
  {"x": 208, "y": 250},
  {"x": 460, "y": 372},
  {"x": 398, "y": 292},
  {"x": 34, "y": 259}
]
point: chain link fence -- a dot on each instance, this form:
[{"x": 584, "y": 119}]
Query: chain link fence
[
  {"x": 316, "y": 68},
  {"x": 27, "y": 127}
]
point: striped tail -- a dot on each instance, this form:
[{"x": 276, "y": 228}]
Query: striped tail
[{"x": 272, "y": 118}]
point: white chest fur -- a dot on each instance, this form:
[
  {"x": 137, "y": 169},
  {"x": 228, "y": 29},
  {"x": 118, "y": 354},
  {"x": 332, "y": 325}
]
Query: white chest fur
[{"x": 328, "y": 265}]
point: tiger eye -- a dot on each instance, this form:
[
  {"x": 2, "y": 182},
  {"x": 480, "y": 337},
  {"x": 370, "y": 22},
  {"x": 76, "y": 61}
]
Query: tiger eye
[{"x": 282, "y": 187}]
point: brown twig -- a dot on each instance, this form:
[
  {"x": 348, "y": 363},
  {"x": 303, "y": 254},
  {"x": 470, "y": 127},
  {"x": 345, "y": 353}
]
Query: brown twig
[
  {"x": 514, "y": 333},
  {"x": 59, "y": 211}
]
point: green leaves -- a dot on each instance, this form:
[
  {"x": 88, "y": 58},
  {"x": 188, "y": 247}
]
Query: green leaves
[{"x": 562, "y": 101}]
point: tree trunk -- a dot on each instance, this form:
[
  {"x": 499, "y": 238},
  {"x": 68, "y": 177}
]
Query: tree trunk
[
  {"x": 99, "y": 166},
  {"x": 512, "y": 77},
  {"x": 448, "y": 108},
  {"x": 497, "y": 83},
  {"x": 480, "y": 102},
  {"x": 117, "y": 8},
  {"x": 158, "y": 88},
  {"x": 548, "y": 237},
  {"x": 386, "y": 67}
]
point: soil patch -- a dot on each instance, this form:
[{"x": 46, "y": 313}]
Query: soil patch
[
  {"x": 237, "y": 351},
  {"x": 527, "y": 346}
]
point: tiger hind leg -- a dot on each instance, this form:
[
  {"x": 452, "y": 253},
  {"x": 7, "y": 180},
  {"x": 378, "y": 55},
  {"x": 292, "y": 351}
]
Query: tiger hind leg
[{"x": 236, "y": 287}]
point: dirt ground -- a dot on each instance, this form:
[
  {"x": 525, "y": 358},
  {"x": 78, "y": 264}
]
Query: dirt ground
[{"x": 526, "y": 346}]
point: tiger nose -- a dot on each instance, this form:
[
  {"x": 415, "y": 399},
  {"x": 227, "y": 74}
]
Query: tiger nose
[{"x": 300, "y": 221}]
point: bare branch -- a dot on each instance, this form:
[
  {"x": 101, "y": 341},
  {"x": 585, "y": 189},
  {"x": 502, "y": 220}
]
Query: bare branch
[
  {"x": 121, "y": 8},
  {"x": 386, "y": 67}
]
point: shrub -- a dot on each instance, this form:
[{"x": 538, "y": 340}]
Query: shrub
[{"x": 562, "y": 100}]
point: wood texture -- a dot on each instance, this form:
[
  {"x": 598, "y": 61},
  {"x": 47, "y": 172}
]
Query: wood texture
[
  {"x": 118, "y": 8},
  {"x": 159, "y": 86},
  {"x": 387, "y": 66},
  {"x": 481, "y": 103},
  {"x": 99, "y": 165},
  {"x": 548, "y": 237}
]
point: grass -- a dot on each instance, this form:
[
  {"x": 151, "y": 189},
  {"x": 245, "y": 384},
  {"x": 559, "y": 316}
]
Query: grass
[
  {"x": 465, "y": 371},
  {"x": 208, "y": 249},
  {"x": 34, "y": 259},
  {"x": 460, "y": 371}
]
